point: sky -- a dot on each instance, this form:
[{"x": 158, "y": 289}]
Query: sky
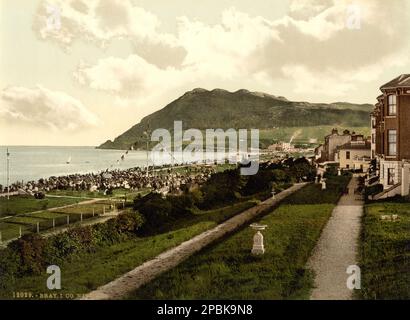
[{"x": 79, "y": 72}]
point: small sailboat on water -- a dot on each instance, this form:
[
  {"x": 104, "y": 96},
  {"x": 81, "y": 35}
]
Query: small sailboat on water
[{"x": 69, "y": 160}]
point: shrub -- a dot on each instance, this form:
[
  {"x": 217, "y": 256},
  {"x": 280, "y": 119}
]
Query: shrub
[
  {"x": 181, "y": 205},
  {"x": 220, "y": 189},
  {"x": 301, "y": 169},
  {"x": 9, "y": 266},
  {"x": 30, "y": 249},
  {"x": 129, "y": 222},
  {"x": 259, "y": 182},
  {"x": 156, "y": 211},
  {"x": 39, "y": 195},
  {"x": 279, "y": 175},
  {"x": 83, "y": 236},
  {"x": 33, "y": 253},
  {"x": 331, "y": 172}
]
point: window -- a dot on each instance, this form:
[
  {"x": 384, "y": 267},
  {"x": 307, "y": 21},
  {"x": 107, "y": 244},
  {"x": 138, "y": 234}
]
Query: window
[
  {"x": 392, "y": 105},
  {"x": 392, "y": 142},
  {"x": 390, "y": 176},
  {"x": 347, "y": 155}
]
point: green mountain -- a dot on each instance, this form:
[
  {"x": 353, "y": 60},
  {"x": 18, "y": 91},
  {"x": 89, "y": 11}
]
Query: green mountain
[{"x": 203, "y": 109}]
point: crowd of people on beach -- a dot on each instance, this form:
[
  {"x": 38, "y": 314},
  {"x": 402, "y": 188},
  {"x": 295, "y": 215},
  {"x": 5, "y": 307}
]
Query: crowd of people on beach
[{"x": 163, "y": 179}]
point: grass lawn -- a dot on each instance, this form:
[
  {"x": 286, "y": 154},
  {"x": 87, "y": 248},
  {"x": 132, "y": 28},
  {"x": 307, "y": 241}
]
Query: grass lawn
[
  {"x": 25, "y": 220},
  {"x": 24, "y": 204},
  {"x": 85, "y": 208},
  {"x": 11, "y": 230},
  {"x": 385, "y": 252},
  {"x": 47, "y": 215},
  {"x": 227, "y": 270},
  {"x": 10, "y": 227},
  {"x": 86, "y": 272}
]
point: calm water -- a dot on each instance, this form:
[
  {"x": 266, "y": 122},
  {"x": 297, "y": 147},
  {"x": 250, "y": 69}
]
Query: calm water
[{"x": 32, "y": 163}]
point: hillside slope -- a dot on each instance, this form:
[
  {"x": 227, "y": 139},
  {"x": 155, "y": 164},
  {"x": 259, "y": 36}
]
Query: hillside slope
[{"x": 203, "y": 109}]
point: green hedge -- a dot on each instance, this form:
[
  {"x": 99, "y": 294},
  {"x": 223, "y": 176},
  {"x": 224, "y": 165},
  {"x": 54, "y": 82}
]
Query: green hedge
[{"x": 31, "y": 254}]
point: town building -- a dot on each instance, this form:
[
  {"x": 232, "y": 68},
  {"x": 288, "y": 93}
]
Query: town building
[
  {"x": 356, "y": 154},
  {"x": 329, "y": 151},
  {"x": 332, "y": 142},
  {"x": 390, "y": 122},
  {"x": 281, "y": 146}
]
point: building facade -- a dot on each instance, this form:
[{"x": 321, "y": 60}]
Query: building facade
[
  {"x": 338, "y": 147},
  {"x": 355, "y": 155},
  {"x": 390, "y": 122},
  {"x": 328, "y": 151}
]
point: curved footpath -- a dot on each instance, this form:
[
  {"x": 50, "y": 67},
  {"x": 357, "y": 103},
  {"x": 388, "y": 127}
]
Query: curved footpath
[
  {"x": 171, "y": 258},
  {"x": 337, "y": 248}
]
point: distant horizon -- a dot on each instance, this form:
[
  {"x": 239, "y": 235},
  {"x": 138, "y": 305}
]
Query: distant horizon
[{"x": 46, "y": 146}]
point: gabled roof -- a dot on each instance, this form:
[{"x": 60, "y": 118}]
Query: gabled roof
[{"x": 401, "y": 81}]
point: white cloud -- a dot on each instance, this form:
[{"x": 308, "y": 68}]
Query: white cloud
[
  {"x": 97, "y": 20},
  {"x": 226, "y": 45},
  {"x": 44, "y": 108},
  {"x": 132, "y": 77},
  {"x": 312, "y": 48},
  {"x": 334, "y": 83}
]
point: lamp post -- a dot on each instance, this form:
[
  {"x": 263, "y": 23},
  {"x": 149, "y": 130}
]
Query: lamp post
[
  {"x": 147, "y": 135},
  {"x": 8, "y": 174}
]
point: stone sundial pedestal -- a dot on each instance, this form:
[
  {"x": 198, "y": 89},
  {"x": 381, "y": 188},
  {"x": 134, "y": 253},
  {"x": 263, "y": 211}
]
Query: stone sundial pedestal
[{"x": 258, "y": 246}]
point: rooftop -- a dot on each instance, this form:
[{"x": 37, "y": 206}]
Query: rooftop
[
  {"x": 356, "y": 146},
  {"x": 400, "y": 81}
]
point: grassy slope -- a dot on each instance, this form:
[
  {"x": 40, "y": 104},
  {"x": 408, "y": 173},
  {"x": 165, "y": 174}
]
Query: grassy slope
[
  {"x": 24, "y": 204},
  {"x": 86, "y": 272},
  {"x": 228, "y": 270},
  {"x": 385, "y": 252},
  {"x": 241, "y": 110}
]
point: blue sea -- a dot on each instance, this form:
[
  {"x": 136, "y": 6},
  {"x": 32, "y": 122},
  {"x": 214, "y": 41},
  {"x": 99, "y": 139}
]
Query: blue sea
[{"x": 32, "y": 162}]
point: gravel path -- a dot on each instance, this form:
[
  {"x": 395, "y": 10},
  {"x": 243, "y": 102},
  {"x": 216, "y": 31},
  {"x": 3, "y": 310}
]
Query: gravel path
[
  {"x": 171, "y": 258},
  {"x": 337, "y": 248}
]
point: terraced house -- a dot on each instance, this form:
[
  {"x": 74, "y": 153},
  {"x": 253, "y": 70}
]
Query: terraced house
[{"x": 391, "y": 136}]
